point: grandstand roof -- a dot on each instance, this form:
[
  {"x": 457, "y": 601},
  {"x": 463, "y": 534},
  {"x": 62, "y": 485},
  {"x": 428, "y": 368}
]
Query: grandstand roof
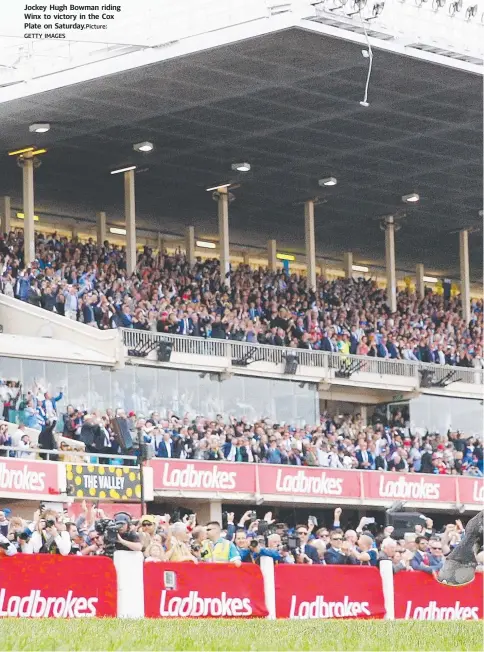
[{"x": 289, "y": 103}]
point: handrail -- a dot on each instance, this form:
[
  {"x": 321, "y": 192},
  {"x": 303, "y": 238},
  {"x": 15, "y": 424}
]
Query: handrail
[
  {"x": 28, "y": 452},
  {"x": 337, "y": 362}
]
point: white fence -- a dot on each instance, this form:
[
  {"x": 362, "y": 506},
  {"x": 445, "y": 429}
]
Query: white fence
[{"x": 246, "y": 353}]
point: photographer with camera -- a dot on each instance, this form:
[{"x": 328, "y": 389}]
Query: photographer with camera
[
  {"x": 7, "y": 548},
  {"x": 49, "y": 536},
  {"x": 127, "y": 539},
  {"x": 117, "y": 534}
]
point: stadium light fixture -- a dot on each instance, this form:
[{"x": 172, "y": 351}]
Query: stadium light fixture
[
  {"x": 329, "y": 181},
  {"x": 430, "y": 279},
  {"x": 131, "y": 167},
  {"x": 204, "y": 244},
  {"x": 39, "y": 127},
  {"x": 21, "y": 216},
  {"x": 117, "y": 231},
  {"x": 219, "y": 187},
  {"x": 360, "y": 268},
  {"x": 24, "y": 150},
  {"x": 145, "y": 146},
  {"x": 241, "y": 167},
  {"x": 289, "y": 257},
  {"x": 412, "y": 198}
]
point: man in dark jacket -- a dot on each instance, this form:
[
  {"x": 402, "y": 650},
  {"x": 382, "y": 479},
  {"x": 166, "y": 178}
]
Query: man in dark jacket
[
  {"x": 91, "y": 434},
  {"x": 334, "y": 554}
]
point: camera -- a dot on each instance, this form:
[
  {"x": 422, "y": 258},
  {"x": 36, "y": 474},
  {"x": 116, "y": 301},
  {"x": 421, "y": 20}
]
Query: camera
[
  {"x": 50, "y": 523},
  {"x": 109, "y": 530},
  {"x": 290, "y": 543}
]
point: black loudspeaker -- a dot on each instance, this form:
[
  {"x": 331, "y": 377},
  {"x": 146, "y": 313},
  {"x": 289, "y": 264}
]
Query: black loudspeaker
[
  {"x": 164, "y": 351},
  {"x": 121, "y": 430},
  {"x": 292, "y": 362}
]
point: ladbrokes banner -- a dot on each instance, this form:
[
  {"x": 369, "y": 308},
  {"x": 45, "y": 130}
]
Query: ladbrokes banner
[
  {"x": 29, "y": 478},
  {"x": 418, "y": 596},
  {"x": 107, "y": 482},
  {"x": 211, "y": 477},
  {"x": 308, "y": 591},
  {"x": 305, "y": 481},
  {"x": 187, "y": 590},
  {"x": 370, "y": 487},
  {"x": 52, "y": 586}
]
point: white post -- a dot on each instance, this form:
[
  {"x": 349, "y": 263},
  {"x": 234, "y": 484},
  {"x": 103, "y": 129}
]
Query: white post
[
  {"x": 272, "y": 255},
  {"x": 390, "y": 262},
  {"x": 386, "y": 572},
  {"x": 101, "y": 228},
  {"x": 223, "y": 232},
  {"x": 5, "y": 210},
  {"x": 419, "y": 280},
  {"x": 267, "y": 570},
  {"x": 364, "y": 414},
  {"x": 28, "y": 205},
  {"x": 310, "y": 243},
  {"x": 129, "y": 571},
  {"x": 465, "y": 293},
  {"x": 130, "y": 219},
  {"x": 348, "y": 264},
  {"x": 190, "y": 245}
]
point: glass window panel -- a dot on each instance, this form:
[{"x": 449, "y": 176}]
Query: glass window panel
[
  {"x": 78, "y": 385},
  {"x": 123, "y": 389},
  {"x": 146, "y": 395},
  {"x": 10, "y": 369},
  {"x": 100, "y": 387}
]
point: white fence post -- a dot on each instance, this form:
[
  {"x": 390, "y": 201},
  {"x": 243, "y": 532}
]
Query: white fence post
[
  {"x": 130, "y": 584},
  {"x": 386, "y": 572},
  {"x": 267, "y": 568}
]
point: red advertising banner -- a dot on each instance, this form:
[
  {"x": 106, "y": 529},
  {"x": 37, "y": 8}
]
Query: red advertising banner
[
  {"x": 308, "y": 591},
  {"x": 471, "y": 490},
  {"x": 51, "y": 586},
  {"x": 314, "y": 482},
  {"x": 411, "y": 487},
  {"x": 29, "y": 477},
  {"x": 187, "y": 590},
  {"x": 210, "y": 477},
  {"x": 308, "y": 481},
  {"x": 419, "y": 596}
]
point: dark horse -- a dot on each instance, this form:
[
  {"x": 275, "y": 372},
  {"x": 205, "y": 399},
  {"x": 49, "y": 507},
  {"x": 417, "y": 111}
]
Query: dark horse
[{"x": 460, "y": 566}]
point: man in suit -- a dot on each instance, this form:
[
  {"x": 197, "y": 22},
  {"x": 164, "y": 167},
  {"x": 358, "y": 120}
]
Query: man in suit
[
  {"x": 166, "y": 447},
  {"x": 382, "y": 349},
  {"x": 336, "y": 554},
  {"x": 421, "y": 559},
  {"x": 304, "y": 548},
  {"x": 392, "y": 348},
  {"x": 364, "y": 457},
  {"x": 381, "y": 461}
]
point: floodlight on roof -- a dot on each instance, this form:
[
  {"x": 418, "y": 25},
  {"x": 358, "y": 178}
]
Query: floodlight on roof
[
  {"x": 39, "y": 127},
  {"x": 241, "y": 167},
  {"x": 145, "y": 146},
  {"x": 329, "y": 181},
  {"x": 412, "y": 198}
]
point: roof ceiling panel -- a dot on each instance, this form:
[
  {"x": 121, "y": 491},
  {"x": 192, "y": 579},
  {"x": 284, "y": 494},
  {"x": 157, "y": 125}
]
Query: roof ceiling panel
[{"x": 289, "y": 104}]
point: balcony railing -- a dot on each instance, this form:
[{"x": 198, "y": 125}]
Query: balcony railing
[{"x": 335, "y": 363}]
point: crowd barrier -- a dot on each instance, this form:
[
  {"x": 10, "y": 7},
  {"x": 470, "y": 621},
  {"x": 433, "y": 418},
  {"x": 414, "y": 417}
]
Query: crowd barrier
[{"x": 48, "y": 586}]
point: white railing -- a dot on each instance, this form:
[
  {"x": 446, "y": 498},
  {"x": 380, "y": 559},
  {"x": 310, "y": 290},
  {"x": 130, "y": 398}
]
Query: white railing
[{"x": 337, "y": 364}]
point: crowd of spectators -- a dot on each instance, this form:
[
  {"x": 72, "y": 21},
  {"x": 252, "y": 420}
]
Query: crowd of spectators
[
  {"x": 88, "y": 283},
  {"x": 245, "y": 539},
  {"x": 338, "y": 442}
]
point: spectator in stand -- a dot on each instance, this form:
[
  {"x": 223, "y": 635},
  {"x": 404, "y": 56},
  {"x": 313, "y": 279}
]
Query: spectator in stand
[{"x": 167, "y": 295}]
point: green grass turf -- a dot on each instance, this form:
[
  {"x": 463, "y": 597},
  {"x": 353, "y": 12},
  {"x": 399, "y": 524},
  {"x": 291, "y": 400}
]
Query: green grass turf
[{"x": 17, "y": 634}]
